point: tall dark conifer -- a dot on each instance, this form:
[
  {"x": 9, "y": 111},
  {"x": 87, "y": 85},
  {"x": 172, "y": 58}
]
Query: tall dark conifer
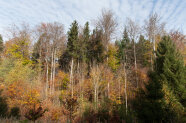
[
  {"x": 1, "y": 44},
  {"x": 123, "y": 46},
  {"x": 85, "y": 41},
  {"x": 96, "y": 47},
  {"x": 163, "y": 100},
  {"x": 144, "y": 51},
  {"x": 73, "y": 49},
  {"x": 72, "y": 44}
]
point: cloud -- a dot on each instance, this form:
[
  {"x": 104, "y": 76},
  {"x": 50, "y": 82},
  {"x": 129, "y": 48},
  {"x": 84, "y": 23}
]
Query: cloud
[{"x": 65, "y": 11}]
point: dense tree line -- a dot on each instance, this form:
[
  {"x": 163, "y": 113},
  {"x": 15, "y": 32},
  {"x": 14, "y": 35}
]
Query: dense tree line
[{"x": 90, "y": 76}]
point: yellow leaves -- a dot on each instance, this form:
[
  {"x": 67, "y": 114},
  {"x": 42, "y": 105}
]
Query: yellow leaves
[
  {"x": 114, "y": 97},
  {"x": 19, "y": 73},
  {"x": 112, "y": 60},
  {"x": 31, "y": 97},
  {"x": 18, "y": 48},
  {"x": 62, "y": 80},
  {"x": 2, "y": 86},
  {"x": 15, "y": 90}
]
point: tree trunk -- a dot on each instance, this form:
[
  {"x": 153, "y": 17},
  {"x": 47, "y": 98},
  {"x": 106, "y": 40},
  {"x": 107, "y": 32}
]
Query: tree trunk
[
  {"x": 135, "y": 64},
  {"x": 71, "y": 77},
  {"x": 154, "y": 42},
  {"x": 47, "y": 78},
  {"x": 108, "y": 86},
  {"x": 51, "y": 72},
  {"x": 54, "y": 69},
  {"x": 119, "y": 91},
  {"x": 125, "y": 72}
]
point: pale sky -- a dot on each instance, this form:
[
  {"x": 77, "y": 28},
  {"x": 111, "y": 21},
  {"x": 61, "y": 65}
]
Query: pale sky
[{"x": 33, "y": 12}]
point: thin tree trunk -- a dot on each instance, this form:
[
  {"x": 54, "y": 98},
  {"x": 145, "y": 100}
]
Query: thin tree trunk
[
  {"x": 51, "y": 72},
  {"x": 119, "y": 91},
  {"x": 108, "y": 89},
  {"x": 135, "y": 64},
  {"x": 125, "y": 86},
  {"x": 151, "y": 61},
  {"x": 46, "y": 78},
  {"x": 71, "y": 77},
  {"x": 40, "y": 63},
  {"x": 95, "y": 86},
  {"x": 97, "y": 81},
  {"x": 54, "y": 69},
  {"x": 154, "y": 42}
]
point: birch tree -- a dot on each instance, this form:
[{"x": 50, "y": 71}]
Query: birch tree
[
  {"x": 107, "y": 24},
  {"x": 133, "y": 31}
]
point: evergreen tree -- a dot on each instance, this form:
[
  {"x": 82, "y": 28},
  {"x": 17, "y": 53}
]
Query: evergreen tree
[
  {"x": 72, "y": 44},
  {"x": 95, "y": 47},
  {"x": 163, "y": 99},
  {"x": 144, "y": 50},
  {"x": 85, "y": 41},
  {"x": 73, "y": 48},
  {"x": 1, "y": 44},
  {"x": 35, "y": 54},
  {"x": 123, "y": 46},
  {"x": 170, "y": 67}
]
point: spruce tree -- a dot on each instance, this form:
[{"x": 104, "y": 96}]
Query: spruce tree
[
  {"x": 85, "y": 41},
  {"x": 95, "y": 47},
  {"x": 73, "y": 48},
  {"x": 1, "y": 44},
  {"x": 123, "y": 46},
  {"x": 170, "y": 67},
  {"x": 163, "y": 98},
  {"x": 144, "y": 50},
  {"x": 72, "y": 44}
]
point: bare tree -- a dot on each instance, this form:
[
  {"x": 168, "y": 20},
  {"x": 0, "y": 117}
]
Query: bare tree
[
  {"x": 133, "y": 31},
  {"x": 154, "y": 27},
  {"x": 22, "y": 37},
  {"x": 178, "y": 39},
  {"x": 108, "y": 24},
  {"x": 51, "y": 39}
]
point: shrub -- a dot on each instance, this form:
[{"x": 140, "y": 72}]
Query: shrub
[
  {"x": 15, "y": 112},
  {"x": 3, "y": 106}
]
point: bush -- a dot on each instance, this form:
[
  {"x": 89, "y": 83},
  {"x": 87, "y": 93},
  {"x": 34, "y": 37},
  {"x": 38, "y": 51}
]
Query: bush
[
  {"x": 15, "y": 112},
  {"x": 3, "y": 106}
]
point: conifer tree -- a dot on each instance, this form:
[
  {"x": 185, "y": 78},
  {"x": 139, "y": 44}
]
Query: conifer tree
[
  {"x": 1, "y": 44},
  {"x": 85, "y": 41},
  {"x": 163, "y": 99},
  {"x": 144, "y": 51},
  {"x": 72, "y": 44},
  {"x": 122, "y": 47},
  {"x": 95, "y": 47},
  {"x": 170, "y": 67},
  {"x": 72, "y": 51}
]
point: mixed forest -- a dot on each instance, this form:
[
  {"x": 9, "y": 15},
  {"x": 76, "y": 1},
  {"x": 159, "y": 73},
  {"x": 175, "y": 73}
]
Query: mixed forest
[{"x": 91, "y": 75}]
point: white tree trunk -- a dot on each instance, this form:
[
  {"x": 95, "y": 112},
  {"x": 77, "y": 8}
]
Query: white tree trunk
[
  {"x": 51, "y": 76},
  {"x": 54, "y": 70},
  {"x": 135, "y": 64},
  {"x": 108, "y": 86},
  {"x": 47, "y": 78},
  {"x": 71, "y": 77}
]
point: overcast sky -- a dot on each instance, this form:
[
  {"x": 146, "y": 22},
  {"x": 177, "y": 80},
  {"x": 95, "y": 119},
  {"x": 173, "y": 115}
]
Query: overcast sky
[{"x": 65, "y": 11}]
